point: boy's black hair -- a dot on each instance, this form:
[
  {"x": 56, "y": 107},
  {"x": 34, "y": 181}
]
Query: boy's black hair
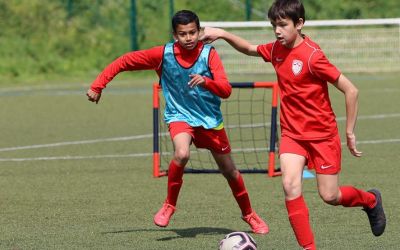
[
  {"x": 185, "y": 17},
  {"x": 292, "y": 9}
]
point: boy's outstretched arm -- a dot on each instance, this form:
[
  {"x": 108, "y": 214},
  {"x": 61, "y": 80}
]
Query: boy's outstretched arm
[
  {"x": 149, "y": 59},
  {"x": 351, "y": 100},
  {"x": 211, "y": 34}
]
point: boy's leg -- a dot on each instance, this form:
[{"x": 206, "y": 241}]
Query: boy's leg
[
  {"x": 327, "y": 161},
  {"x": 371, "y": 202},
  {"x": 175, "y": 181},
  {"x": 349, "y": 196},
  {"x": 181, "y": 143},
  {"x": 218, "y": 143},
  {"x": 236, "y": 183},
  {"x": 175, "y": 173},
  {"x": 292, "y": 169}
]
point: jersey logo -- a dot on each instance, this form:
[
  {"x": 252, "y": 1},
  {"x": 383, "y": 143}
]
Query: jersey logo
[
  {"x": 297, "y": 66},
  {"x": 278, "y": 59}
]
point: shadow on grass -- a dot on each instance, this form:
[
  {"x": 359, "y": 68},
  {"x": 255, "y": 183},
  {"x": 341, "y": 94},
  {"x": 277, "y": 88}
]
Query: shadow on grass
[{"x": 181, "y": 233}]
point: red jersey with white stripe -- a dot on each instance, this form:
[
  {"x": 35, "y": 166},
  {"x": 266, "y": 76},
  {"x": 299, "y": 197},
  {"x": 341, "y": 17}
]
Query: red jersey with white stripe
[{"x": 303, "y": 73}]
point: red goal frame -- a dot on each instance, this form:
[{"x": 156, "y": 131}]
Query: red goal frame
[{"x": 270, "y": 169}]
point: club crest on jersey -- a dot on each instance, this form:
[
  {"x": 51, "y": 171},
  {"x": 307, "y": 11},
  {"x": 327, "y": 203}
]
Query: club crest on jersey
[{"x": 297, "y": 66}]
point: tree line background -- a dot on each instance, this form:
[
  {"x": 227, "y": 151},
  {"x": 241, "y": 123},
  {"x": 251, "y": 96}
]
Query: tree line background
[{"x": 48, "y": 39}]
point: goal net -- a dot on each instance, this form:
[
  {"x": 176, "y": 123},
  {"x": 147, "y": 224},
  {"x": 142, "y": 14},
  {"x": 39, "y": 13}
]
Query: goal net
[
  {"x": 250, "y": 121},
  {"x": 362, "y": 45}
]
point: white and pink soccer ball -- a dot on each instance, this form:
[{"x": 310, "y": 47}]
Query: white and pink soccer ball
[{"x": 237, "y": 241}]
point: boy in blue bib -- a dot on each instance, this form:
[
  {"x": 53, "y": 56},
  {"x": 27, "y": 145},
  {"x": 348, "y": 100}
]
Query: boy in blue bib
[{"x": 193, "y": 80}]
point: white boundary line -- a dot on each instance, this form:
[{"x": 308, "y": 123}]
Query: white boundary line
[
  {"x": 145, "y": 136},
  {"x": 372, "y": 117},
  {"x": 52, "y": 158},
  {"x": 58, "y": 144}
]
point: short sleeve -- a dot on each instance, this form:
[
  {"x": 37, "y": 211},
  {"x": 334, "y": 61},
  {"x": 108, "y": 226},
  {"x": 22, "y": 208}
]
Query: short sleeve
[
  {"x": 265, "y": 51},
  {"x": 322, "y": 68}
]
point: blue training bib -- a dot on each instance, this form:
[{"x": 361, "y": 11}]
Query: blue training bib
[{"x": 196, "y": 106}]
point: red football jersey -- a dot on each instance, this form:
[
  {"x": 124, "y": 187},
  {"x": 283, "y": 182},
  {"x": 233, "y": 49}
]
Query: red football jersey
[
  {"x": 303, "y": 73},
  {"x": 151, "y": 59}
]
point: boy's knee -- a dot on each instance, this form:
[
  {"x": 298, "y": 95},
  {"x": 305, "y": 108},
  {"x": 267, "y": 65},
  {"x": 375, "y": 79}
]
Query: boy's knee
[
  {"x": 182, "y": 156},
  {"x": 289, "y": 184},
  {"x": 291, "y": 187},
  {"x": 329, "y": 198},
  {"x": 229, "y": 174}
]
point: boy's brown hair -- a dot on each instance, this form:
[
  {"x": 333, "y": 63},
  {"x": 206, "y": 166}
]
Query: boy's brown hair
[{"x": 292, "y": 9}]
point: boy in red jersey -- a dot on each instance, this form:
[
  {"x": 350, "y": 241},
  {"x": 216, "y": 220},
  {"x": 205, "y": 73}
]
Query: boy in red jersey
[
  {"x": 193, "y": 80},
  {"x": 309, "y": 133}
]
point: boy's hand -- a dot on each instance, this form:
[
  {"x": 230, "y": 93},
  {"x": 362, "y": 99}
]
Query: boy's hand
[
  {"x": 93, "y": 96},
  {"x": 351, "y": 144},
  {"x": 211, "y": 34},
  {"x": 196, "y": 80}
]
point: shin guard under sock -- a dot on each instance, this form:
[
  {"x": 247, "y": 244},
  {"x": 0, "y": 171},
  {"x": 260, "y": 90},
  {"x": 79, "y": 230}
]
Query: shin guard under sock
[
  {"x": 299, "y": 219},
  {"x": 240, "y": 193},
  {"x": 175, "y": 173},
  {"x": 353, "y": 197}
]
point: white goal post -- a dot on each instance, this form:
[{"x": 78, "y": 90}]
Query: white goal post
[{"x": 353, "y": 45}]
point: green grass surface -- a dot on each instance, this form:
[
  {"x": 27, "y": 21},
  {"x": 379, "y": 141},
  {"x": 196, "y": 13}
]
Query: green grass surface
[{"x": 108, "y": 203}]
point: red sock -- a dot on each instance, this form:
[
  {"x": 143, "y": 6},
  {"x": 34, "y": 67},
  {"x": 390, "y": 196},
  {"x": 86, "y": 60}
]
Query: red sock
[
  {"x": 353, "y": 197},
  {"x": 299, "y": 219},
  {"x": 240, "y": 193},
  {"x": 175, "y": 173}
]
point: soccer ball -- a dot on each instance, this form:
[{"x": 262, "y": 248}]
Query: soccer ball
[{"x": 238, "y": 241}]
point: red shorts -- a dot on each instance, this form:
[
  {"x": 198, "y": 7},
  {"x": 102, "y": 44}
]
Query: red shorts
[
  {"x": 322, "y": 155},
  {"x": 212, "y": 139}
]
